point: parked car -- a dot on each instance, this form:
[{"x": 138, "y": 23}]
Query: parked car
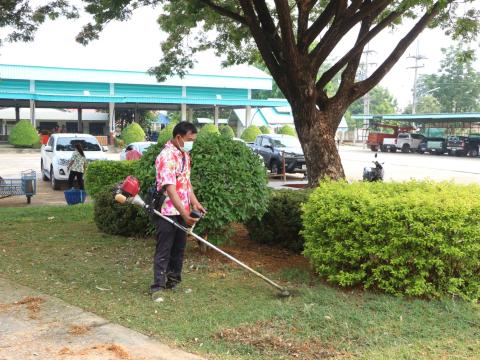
[
  {"x": 408, "y": 142},
  {"x": 389, "y": 144},
  {"x": 140, "y": 146},
  {"x": 272, "y": 146},
  {"x": 463, "y": 145},
  {"x": 56, "y": 155},
  {"x": 433, "y": 145}
]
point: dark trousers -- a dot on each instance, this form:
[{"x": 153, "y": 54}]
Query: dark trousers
[
  {"x": 168, "y": 259},
  {"x": 73, "y": 175}
]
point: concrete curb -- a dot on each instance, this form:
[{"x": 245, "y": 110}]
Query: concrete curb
[{"x": 44, "y": 331}]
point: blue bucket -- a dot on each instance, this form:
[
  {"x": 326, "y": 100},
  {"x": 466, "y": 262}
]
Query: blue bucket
[{"x": 75, "y": 196}]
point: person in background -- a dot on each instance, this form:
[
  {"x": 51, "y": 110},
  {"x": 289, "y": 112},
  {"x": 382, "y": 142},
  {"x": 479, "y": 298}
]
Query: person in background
[
  {"x": 63, "y": 129},
  {"x": 77, "y": 166},
  {"x": 132, "y": 153}
]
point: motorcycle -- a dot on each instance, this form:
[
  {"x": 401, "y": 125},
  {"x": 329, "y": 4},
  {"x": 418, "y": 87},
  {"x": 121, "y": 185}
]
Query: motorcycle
[{"x": 373, "y": 173}]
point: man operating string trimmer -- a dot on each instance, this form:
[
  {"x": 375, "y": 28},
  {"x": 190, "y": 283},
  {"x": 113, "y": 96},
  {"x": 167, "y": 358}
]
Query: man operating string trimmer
[{"x": 173, "y": 175}]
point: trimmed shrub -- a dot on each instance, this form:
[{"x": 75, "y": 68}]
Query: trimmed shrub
[
  {"x": 412, "y": 238},
  {"x": 287, "y": 130},
  {"x": 250, "y": 133},
  {"x": 119, "y": 219},
  {"x": 227, "y": 131},
  {"x": 230, "y": 181},
  {"x": 166, "y": 133},
  {"x": 207, "y": 131},
  {"x": 102, "y": 173},
  {"x": 132, "y": 133},
  {"x": 282, "y": 222},
  {"x": 24, "y": 134},
  {"x": 265, "y": 129},
  {"x": 145, "y": 171}
]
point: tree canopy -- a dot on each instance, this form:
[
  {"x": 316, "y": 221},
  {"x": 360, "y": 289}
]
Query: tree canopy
[
  {"x": 456, "y": 86},
  {"x": 22, "y": 19}
]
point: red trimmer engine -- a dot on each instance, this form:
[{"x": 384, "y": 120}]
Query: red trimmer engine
[{"x": 130, "y": 186}]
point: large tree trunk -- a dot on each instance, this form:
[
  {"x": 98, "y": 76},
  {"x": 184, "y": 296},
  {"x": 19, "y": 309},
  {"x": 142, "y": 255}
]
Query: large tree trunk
[{"x": 316, "y": 130}]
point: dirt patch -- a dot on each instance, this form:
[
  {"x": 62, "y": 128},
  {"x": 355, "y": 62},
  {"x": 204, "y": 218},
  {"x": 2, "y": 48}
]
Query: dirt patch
[
  {"x": 32, "y": 304},
  {"x": 257, "y": 255},
  {"x": 78, "y": 330},
  {"x": 269, "y": 337},
  {"x": 118, "y": 351}
]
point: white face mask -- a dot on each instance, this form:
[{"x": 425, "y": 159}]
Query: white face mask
[{"x": 187, "y": 146}]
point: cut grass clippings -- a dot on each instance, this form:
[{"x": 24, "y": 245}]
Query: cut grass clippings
[{"x": 59, "y": 251}]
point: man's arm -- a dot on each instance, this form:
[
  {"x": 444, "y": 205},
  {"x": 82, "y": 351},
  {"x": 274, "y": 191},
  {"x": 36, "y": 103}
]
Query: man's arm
[
  {"x": 196, "y": 204},
  {"x": 172, "y": 194}
]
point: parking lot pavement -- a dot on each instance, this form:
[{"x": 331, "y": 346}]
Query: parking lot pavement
[{"x": 398, "y": 167}]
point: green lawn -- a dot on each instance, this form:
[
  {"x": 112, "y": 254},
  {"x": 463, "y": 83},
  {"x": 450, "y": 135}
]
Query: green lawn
[{"x": 228, "y": 314}]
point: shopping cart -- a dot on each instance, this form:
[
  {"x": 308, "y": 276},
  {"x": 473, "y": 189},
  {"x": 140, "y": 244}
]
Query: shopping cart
[{"x": 26, "y": 185}]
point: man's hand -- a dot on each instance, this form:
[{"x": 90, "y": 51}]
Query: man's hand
[
  {"x": 197, "y": 206},
  {"x": 190, "y": 221}
]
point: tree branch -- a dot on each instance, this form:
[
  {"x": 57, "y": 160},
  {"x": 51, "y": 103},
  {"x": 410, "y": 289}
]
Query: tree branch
[
  {"x": 361, "y": 88},
  {"x": 264, "y": 46},
  {"x": 357, "y": 48},
  {"x": 339, "y": 30},
  {"x": 268, "y": 26},
  {"x": 304, "y": 9},
  {"x": 286, "y": 29},
  {"x": 318, "y": 25},
  {"x": 224, "y": 11}
]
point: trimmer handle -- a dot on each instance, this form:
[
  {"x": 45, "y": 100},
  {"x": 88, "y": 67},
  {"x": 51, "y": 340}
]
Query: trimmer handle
[{"x": 196, "y": 214}]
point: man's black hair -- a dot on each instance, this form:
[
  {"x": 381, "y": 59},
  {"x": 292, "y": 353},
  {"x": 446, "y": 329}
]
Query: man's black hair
[{"x": 183, "y": 127}]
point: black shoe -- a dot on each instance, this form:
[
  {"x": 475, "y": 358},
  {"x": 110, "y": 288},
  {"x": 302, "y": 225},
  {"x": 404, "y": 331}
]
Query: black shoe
[
  {"x": 157, "y": 295},
  {"x": 171, "y": 284}
]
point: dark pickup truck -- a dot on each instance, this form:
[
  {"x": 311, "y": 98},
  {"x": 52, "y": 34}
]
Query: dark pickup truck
[
  {"x": 433, "y": 145},
  {"x": 463, "y": 145},
  {"x": 272, "y": 146}
]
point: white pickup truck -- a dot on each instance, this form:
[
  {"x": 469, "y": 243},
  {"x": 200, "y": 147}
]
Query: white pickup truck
[
  {"x": 408, "y": 142},
  {"x": 389, "y": 144},
  {"x": 56, "y": 155}
]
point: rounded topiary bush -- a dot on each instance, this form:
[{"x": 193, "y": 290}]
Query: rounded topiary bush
[
  {"x": 287, "y": 130},
  {"x": 412, "y": 238},
  {"x": 24, "y": 134},
  {"x": 230, "y": 181},
  {"x": 208, "y": 130},
  {"x": 101, "y": 173},
  {"x": 133, "y": 133},
  {"x": 166, "y": 133},
  {"x": 227, "y": 131},
  {"x": 265, "y": 129},
  {"x": 282, "y": 222},
  {"x": 250, "y": 133},
  {"x": 119, "y": 219}
]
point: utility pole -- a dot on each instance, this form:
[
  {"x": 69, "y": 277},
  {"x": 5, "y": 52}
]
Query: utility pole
[
  {"x": 366, "y": 98},
  {"x": 417, "y": 58}
]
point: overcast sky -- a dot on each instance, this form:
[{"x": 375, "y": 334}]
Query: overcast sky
[{"x": 135, "y": 45}]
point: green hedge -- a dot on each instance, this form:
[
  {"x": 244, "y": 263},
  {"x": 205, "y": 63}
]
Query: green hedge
[
  {"x": 282, "y": 222},
  {"x": 287, "y": 130},
  {"x": 412, "y": 238},
  {"x": 250, "y": 133},
  {"x": 133, "y": 133},
  {"x": 265, "y": 129},
  {"x": 230, "y": 181},
  {"x": 101, "y": 173},
  {"x": 24, "y": 134},
  {"x": 119, "y": 219},
  {"x": 227, "y": 131},
  {"x": 166, "y": 133},
  {"x": 208, "y": 130}
]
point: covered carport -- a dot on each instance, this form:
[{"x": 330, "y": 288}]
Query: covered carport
[{"x": 36, "y": 87}]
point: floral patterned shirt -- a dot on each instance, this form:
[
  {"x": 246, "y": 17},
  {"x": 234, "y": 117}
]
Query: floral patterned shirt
[
  {"x": 78, "y": 162},
  {"x": 173, "y": 168}
]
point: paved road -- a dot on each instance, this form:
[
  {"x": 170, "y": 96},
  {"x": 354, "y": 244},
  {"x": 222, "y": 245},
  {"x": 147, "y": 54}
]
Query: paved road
[{"x": 400, "y": 167}]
